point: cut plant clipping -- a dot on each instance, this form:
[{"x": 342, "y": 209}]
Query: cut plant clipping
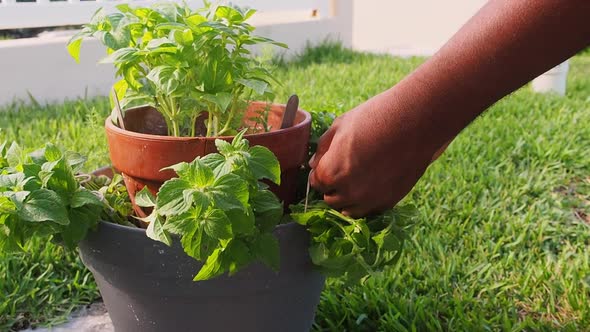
[{"x": 200, "y": 214}]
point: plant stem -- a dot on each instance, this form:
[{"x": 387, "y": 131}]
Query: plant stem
[
  {"x": 209, "y": 124},
  {"x": 216, "y": 125},
  {"x": 232, "y": 112},
  {"x": 193, "y": 124}
]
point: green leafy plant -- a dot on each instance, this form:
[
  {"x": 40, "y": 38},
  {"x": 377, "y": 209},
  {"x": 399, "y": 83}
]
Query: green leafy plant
[
  {"x": 222, "y": 212},
  {"x": 354, "y": 248},
  {"x": 40, "y": 196},
  {"x": 186, "y": 63}
]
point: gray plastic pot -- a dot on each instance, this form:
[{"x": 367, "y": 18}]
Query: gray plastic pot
[{"x": 147, "y": 286}]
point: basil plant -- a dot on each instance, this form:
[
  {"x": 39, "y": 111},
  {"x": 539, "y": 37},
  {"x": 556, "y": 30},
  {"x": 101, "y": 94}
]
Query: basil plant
[{"x": 188, "y": 64}]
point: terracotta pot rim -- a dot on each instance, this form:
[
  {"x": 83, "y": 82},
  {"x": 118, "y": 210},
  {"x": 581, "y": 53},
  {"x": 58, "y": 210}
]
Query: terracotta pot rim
[{"x": 110, "y": 126}]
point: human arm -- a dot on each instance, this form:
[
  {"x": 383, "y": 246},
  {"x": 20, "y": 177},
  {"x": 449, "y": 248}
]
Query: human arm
[{"x": 373, "y": 155}]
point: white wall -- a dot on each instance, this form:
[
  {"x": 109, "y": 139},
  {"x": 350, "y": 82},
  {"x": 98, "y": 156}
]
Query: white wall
[{"x": 400, "y": 27}]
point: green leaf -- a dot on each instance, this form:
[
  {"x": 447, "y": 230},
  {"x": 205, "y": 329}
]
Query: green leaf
[
  {"x": 84, "y": 197},
  {"x": 229, "y": 13},
  {"x": 14, "y": 181},
  {"x": 264, "y": 164},
  {"x": 266, "y": 248},
  {"x": 183, "y": 37},
  {"x": 230, "y": 192},
  {"x": 83, "y": 218},
  {"x": 218, "y": 163},
  {"x": 158, "y": 43},
  {"x": 211, "y": 268},
  {"x": 196, "y": 243},
  {"x": 221, "y": 99},
  {"x": 14, "y": 156},
  {"x": 44, "y": 205},
  {"x": 239, "y": 142},
  {"x": 175, "y": 197},
  {"x": 267, "y": 209},
  {"x": 74, "y": 47},
  {"x": 242, "y": 223},
  {"x": 182, "y": 223},
  {"x": 52, "y": 152},
  {"x": 224, "y": 147},
  {"x": 6, "y": 205},
  {"x": 156, "y": 231},
  {"x": 75, "y": 160},
  {"x": 170, "y": 26},
  {"x": 144, "y": 198},
  {"x": 126, "y": 54},
  {"x": 217, "y": 225},
  {"x": 197, "y": 173},
  {"x": 194, "y": 23},
  {"x": 236, "y": 256},
  {"x": 260, "y": 87},
  {"x": 166, "y": 78}
]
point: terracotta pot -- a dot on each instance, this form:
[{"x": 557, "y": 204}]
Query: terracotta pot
[{"x": 141, "y": 151}]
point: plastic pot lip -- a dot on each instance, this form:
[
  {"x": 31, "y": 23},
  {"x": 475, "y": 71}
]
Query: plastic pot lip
[
  {"x": 138, "y": 230},
  {"x": 110, "y": 126}
]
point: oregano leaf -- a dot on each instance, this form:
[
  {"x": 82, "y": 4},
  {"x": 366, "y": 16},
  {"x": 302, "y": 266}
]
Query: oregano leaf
[{"x": 44, "y": 205}]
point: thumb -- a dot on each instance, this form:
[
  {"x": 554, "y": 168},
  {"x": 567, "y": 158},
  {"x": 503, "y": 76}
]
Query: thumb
[{"x": 323, "y": 146}]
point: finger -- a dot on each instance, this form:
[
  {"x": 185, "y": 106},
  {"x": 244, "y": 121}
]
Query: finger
[
  {"x": 337, "y": 201},
  {"x": 323, "y": 146},
  {"x": 319, "y": 183},
  {"x": 356, "y": 211}
]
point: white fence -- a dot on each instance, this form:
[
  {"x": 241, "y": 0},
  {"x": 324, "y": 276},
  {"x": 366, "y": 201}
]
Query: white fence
[
  {"x": 41, "y": 66},
  {"x": 46, "y": 13}
]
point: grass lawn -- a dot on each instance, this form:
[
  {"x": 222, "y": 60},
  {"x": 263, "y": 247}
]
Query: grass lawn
[{"x": 503, "y": 241}]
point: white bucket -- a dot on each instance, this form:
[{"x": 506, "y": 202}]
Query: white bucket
[{"x": 553, "y": 80}]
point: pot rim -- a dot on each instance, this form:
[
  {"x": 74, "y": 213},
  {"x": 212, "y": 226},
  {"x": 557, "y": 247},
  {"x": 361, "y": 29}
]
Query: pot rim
[{"x": 110, "y": 126}]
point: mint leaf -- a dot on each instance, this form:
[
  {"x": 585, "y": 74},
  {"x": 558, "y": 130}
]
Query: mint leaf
[
  {"x": 217, "y": 225},
  {"x": 83, "y": 218},
  {"x": 218, "y": 163},
  {"x": 84, "y": 197},
  {"x": 387, "y": 240},
  {"x": 236, "y": 256},
  {"x": 52, "y": 152},
  {"x": 264, "y": 164},
  {"x": 224, "y": 147},
  {"x": 175, "y": 197},
  {"x": 180, "y": 224},
  {"x": 267, "y": 209},
  {"x": 6, "y": 206},
  {"x": 196, "y": 243},
  {"x": 197, "y": 173},
  {"x": 266, "y": 249},
  {"x": 44, "y": 205},
  {"x": 144, "y": 198},
  {"x": 230, "y": 192},
  {"x": 156, "y": 231},
  {"x": 242, "y": 221},
  {"x": 212, "y": 267}
]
